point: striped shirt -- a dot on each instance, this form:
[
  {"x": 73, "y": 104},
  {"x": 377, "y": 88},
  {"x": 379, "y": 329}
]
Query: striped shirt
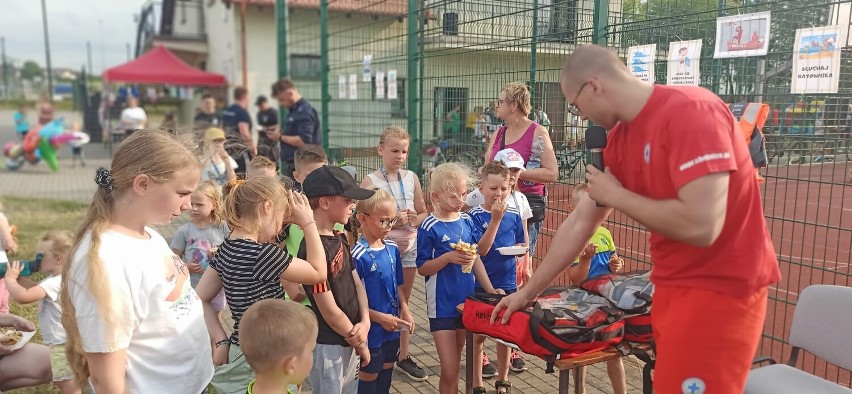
[{"x": 250, "y": 272}]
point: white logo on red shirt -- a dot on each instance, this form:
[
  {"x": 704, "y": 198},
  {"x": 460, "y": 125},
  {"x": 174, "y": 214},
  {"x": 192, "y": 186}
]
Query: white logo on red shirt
[{"x": 703, "y": 158}]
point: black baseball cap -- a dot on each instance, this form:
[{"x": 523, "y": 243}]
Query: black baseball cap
[
  {"x": 260, "y": 99},
  {"x": 328, "y": 181}
]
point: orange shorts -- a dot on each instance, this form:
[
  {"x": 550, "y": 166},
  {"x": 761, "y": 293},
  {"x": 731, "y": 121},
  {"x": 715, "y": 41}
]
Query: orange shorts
[{"x": 705, "y": 340}]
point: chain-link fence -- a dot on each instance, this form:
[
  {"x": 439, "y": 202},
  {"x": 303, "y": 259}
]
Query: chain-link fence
[{"x": 434, "y": 66}]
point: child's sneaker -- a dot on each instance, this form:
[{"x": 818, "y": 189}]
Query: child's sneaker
[
  {"x": 411, "y": 369},
  {"x": 488, "y": 369},
  {"x": 518, "y": 364}
]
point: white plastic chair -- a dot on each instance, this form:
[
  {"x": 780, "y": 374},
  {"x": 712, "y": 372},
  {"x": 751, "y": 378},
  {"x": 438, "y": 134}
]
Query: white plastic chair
[{"x": 821, "y": 325}]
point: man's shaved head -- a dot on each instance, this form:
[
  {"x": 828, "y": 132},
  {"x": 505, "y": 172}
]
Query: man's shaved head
[{"x": 591, "y": 60}]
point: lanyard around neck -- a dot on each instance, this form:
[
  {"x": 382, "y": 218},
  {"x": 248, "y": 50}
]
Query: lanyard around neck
[
  {"x": 390, "y": 188},
  {"x": 393, "y": 298}
]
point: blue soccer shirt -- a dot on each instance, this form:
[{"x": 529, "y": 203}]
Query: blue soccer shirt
[
  {"x": 381, "y": 273},
  {"x": 448, "y": 288},
  {"x": 502, "y": 270}
]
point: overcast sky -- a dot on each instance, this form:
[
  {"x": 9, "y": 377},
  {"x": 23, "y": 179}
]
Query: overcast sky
[{"x": 71, "y": 23}]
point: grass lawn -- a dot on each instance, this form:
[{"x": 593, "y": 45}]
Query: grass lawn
[{"x": 33, "y": 218}]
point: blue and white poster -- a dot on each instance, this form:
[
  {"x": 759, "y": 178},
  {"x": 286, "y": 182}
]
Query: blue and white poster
[
  {"x": 683, "y": 63},
  {"x": 816, "y": 60},
  {"x": 640, "y": 61}
]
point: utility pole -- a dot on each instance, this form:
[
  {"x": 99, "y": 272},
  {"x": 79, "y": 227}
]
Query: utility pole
[
  {"x": 47, "y": 53},
  {"x": 103, "y": 57},
  {"x": 5, "y": 68},
  {"x": 89, "y": 56}
]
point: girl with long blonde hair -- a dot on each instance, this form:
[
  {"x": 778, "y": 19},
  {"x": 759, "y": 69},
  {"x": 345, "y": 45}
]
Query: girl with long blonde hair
[{"x": 133, "y": 322}]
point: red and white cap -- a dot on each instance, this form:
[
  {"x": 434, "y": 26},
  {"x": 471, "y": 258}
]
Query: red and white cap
[{"x": 511, "y": 158}]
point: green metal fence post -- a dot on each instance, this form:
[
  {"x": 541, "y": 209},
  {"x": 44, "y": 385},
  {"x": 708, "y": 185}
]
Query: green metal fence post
[
  {"x": 281, "y": 17},
  {"x": 601, "y": 20},
  {"x": 414, "y": 155},
  {"x": 533, "y": 45},
  {"x": 421, "y": 58},
  {"x": 326, "y": 98}
]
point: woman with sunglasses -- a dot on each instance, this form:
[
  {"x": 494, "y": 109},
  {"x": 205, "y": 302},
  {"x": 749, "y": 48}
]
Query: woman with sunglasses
[{"x": 532, "y": 141}]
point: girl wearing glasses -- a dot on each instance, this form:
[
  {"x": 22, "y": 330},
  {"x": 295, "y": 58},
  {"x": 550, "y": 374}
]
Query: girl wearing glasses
[
  {"x": 379, "y": 265},
  {"x": 410, "y": 208}
]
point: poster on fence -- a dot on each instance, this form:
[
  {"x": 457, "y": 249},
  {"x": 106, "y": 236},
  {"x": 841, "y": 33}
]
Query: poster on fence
[
  {"x": 683, "y": 61},
  {"x": 341, "y": 86},
  {"x": 380, "y": 85},
  {"x": 367, "y": 66},
  {"x": 640, "y": 61},
  {"x": 816, "y": 60},
  {"x": 353, "y": 86},
  {"x": 392, "y": 85},
  {"x": 742, "y": 35}
]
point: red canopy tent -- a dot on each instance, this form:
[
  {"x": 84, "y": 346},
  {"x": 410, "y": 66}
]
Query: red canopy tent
[{"x": 161, "y": 66}]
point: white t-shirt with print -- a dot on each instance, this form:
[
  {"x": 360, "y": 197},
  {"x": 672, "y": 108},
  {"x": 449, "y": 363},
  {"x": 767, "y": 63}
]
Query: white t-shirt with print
[
  {"x": 50, "y": 313},
  {"x": 475, "y": 199},
  {"x": 157, "y": 317}
]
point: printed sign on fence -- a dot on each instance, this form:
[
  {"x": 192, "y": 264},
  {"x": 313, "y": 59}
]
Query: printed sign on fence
[
  {"x": 640, "y": 61},
  {"x": 683, "y": 63},
  {"x": 816, "y": 60}
]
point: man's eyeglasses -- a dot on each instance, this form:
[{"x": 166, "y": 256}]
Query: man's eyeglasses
[
  {"x": 572, "y": 107},
  {"x": 384, "y": 223}
]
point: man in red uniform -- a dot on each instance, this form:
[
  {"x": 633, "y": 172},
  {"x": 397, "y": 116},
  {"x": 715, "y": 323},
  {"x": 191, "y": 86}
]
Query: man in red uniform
[{"x": 676, "y": 163}]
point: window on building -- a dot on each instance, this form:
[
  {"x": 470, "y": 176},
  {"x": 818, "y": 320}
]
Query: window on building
[
  {"x": 305, "y": 67},
  {"x": 558, "y": 21}
]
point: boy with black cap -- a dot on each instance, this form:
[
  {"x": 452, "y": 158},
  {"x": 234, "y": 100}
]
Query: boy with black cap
[
  {"x": 267, "y": 119},
  {"x": 340, "y": 303}
]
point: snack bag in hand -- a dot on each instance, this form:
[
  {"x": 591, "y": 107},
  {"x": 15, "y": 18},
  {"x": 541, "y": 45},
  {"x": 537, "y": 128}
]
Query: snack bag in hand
[{"x": 465, "y": 247}]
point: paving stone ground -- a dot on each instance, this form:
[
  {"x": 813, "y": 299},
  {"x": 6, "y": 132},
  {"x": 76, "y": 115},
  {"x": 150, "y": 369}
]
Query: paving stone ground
[{"x": 77, "y": 184}]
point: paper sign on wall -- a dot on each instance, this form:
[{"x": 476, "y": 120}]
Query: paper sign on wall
[
  {"x": 353, "y": 86},
  {"x": 380, "y": 85},
  {"x": 367, "y": 73},
  {"x": 640, "y": 61},
  {"x": 683, "y": 63},
  {"x": 341, "y": 86},
  {"x": 392, "y": 85}
]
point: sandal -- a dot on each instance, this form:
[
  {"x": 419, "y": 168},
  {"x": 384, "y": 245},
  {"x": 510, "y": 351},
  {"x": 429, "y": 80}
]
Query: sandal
[
  {"x": 503, "y": 384},
  {"x": 479, "y": 390}
]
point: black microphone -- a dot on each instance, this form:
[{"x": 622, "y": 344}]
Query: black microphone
[{"x": 595, "y": 143}]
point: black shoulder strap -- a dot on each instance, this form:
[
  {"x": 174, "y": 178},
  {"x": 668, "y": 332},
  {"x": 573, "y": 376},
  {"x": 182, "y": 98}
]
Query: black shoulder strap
[{"x": 503, "y": 137}]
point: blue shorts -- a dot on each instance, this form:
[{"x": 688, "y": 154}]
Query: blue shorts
[
  {"x": 387, "y": 353},
  {"x": 445, "y": 324},
  {"x": 478, "y": 289}
]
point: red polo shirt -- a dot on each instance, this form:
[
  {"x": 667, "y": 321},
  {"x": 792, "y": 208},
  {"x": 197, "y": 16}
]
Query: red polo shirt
[{"x": 681, "y": 134}]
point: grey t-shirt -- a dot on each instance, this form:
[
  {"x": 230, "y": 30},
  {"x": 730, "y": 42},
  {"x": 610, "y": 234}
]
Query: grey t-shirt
[{"x": 195, "y": 243}]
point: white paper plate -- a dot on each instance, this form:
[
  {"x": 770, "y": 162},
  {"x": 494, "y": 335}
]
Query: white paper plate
[
  {"x": 512, "y": 250},
  {"x": 26, "y": 338},
  {"x": 82, "y": 139}
]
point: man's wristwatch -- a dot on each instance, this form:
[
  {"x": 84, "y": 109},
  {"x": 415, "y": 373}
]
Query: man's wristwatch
[{"x": 222, "y": 342}]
